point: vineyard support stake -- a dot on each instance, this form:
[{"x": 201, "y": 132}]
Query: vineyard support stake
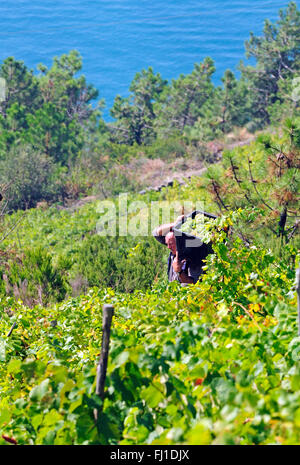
[
  {"x": 11, "y": 329},
  {"x": 108, "y": 311}
]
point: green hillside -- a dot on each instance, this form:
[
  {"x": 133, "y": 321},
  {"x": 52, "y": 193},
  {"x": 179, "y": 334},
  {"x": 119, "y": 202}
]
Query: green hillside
[{"x": 213, "y": 363}]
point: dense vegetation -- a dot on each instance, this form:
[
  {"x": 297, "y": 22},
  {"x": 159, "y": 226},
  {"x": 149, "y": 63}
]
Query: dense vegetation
[{"x": 213, "y": 363}]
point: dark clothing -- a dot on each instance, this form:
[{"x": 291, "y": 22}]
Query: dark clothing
[{"x": 194, "y": 271}]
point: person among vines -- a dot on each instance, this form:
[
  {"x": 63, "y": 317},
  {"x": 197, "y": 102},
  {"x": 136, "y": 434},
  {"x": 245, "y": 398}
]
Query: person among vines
[{"x": 180, "y": 270}]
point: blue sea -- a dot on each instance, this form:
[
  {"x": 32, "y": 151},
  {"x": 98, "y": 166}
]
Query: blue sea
[{"x": 117, "y": 38}]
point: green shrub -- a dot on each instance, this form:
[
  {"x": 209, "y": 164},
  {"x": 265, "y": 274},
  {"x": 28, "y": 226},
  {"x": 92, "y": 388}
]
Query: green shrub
[
  {"x": 166, "y": 149},
  {"x": 125, "y": 264},
  {"x": 115, "y": 181},
  {"x": 34, "y": 279},
  {"x": 32, "y": 177}
]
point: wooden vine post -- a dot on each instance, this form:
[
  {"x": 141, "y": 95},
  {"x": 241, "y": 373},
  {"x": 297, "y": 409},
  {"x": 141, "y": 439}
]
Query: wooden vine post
[
  {"x": 108, "y": 311},
  {"x": 298, "y": 296}
]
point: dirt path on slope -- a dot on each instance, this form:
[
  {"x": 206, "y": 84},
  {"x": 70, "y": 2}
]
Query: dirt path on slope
[{"x": 155, "y": 174}]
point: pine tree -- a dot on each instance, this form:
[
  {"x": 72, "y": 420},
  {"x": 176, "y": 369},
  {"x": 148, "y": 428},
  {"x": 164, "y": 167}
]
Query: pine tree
[
  {"x": 135, "y": 114},
  {"x": 277, "y": 55}
]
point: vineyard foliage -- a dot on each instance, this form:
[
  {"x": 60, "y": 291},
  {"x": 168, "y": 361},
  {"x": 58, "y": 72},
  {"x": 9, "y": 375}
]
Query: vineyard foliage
[
  {"x": 214, "y": 363},
  {"x": 217, "y": 362}
]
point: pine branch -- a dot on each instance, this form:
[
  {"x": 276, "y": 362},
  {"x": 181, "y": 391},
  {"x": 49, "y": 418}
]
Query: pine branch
[
  {"x": 255, "y": 188},
  {"x": 215, "y": 187},
  {"x": 293, "y": 230},
  {"x": 238, "y": 181},
  {"x": 282, "y": 221}
]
